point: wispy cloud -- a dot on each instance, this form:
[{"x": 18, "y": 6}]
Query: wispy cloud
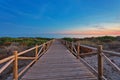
[
  {"x": 99, "y": 27},
  {"x": 105, "y": 29}
]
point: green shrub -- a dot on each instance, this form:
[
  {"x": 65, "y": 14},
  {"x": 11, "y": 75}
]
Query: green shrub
[{"x": 68, "y": 39}]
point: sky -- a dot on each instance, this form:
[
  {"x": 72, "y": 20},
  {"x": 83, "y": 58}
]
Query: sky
[{"x": 54, "y": 18}]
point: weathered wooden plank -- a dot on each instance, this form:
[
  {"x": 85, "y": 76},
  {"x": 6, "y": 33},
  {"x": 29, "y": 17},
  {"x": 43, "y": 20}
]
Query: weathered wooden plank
[{"x": 58, "y": 64}]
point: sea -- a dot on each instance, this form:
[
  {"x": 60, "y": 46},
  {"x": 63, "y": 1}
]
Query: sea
[{"x": 54, "y": 35}]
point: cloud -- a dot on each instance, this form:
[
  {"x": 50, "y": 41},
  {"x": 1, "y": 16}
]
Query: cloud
[
  {"x": 99, "y": 27},
  {"x": 105, "y": 29}
]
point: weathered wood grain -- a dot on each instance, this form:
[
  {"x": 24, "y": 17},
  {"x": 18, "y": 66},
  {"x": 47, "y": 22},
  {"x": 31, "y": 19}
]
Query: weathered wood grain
[{"x": 58, "y": 64}]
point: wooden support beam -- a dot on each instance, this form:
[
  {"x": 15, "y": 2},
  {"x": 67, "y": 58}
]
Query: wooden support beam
[
  {"x": 71, "y": 46},
  {"x": 26, "y": 68},
  {"x": 36, "y": 52},
  {"x": 100, "y": 63},
  {"x": 87, "y": 54},
  {"x": 26, "y": 58},
  {"x": 44, "y": 47},
  {"x": 78, "y": 50},
  {"x": 111, "y": 63},
  {"x": 40, "y": 51},
  {"x": 47, "y": 45},
  {"x": 15, "y": 66},
  {"x": 66, "y": 43}
]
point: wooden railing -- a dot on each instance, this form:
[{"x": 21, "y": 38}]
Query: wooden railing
[
  {"x": 75, "y": 49},
  {"x": 39, "y": 51}
]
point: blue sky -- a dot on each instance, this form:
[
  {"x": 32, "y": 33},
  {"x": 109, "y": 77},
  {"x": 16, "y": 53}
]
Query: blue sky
[{"x": 76, "y": 17}]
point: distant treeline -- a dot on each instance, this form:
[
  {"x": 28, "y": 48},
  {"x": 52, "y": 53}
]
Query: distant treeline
[{"x": 6, "y": 41}]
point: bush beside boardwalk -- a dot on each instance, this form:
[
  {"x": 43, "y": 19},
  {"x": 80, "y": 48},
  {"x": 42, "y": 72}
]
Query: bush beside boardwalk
[
  {"x": 8, "y": 45},
  {"x": 108, "y": 42}
]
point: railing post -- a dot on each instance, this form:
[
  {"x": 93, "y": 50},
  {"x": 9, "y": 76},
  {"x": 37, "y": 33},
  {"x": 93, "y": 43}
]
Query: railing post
[
  {"x": 72, "y": 46},
  {"x": 48, "y": 45},
  {"x": 15, "y": 66},
  {"x": 44, "y": 47},
  {"x": 66, "y": 43},
  {"x": 69, "y": 45},
  {"x": 36, "y": 52},
  {"x": 100, "y": 63},
  {"x": 78, "y": 50}
]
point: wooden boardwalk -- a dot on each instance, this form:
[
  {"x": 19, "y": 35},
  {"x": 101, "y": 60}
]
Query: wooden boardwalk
[{"x": 58, "y": 64}]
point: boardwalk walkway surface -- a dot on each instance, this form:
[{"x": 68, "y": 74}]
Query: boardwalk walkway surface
[{"x": 58, "y": 64}]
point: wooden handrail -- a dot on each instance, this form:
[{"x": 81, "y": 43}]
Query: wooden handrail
[
  {"x": 6, "y": 59},
  {"x": 111, "y": 53},
  {"x": 100, "y": 52},
  {"x": 36, "y": 52},
  {"x": 16, "y": 56},
  {"x": 23, "y": 52},
  {"x": 104, "y": 51}
]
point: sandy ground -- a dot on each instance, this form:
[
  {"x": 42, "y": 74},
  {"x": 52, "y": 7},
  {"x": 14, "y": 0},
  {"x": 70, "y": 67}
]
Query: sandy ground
[{"x": 109, "y": 72}]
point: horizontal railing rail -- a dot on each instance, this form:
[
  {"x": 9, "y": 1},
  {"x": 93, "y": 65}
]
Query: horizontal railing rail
[
  {"x": 75, "y": 49},
  {"x": 39, "y": 51}
]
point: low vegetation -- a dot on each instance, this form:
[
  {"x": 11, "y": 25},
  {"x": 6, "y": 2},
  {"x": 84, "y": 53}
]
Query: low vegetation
[
  {"x": 8, "y": 45},
  {"x": 108, "y": 42},
  {"x": 7, "y": 41}
]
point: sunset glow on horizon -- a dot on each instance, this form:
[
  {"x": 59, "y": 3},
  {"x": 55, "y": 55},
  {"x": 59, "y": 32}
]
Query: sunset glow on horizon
[{"x": 108, "y": 29}]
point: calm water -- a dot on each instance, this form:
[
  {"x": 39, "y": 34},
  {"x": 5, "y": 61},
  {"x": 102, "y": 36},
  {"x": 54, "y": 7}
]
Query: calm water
[
  {"x": 71, "y": 36},
  {"x": 54, "y": 35}
]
